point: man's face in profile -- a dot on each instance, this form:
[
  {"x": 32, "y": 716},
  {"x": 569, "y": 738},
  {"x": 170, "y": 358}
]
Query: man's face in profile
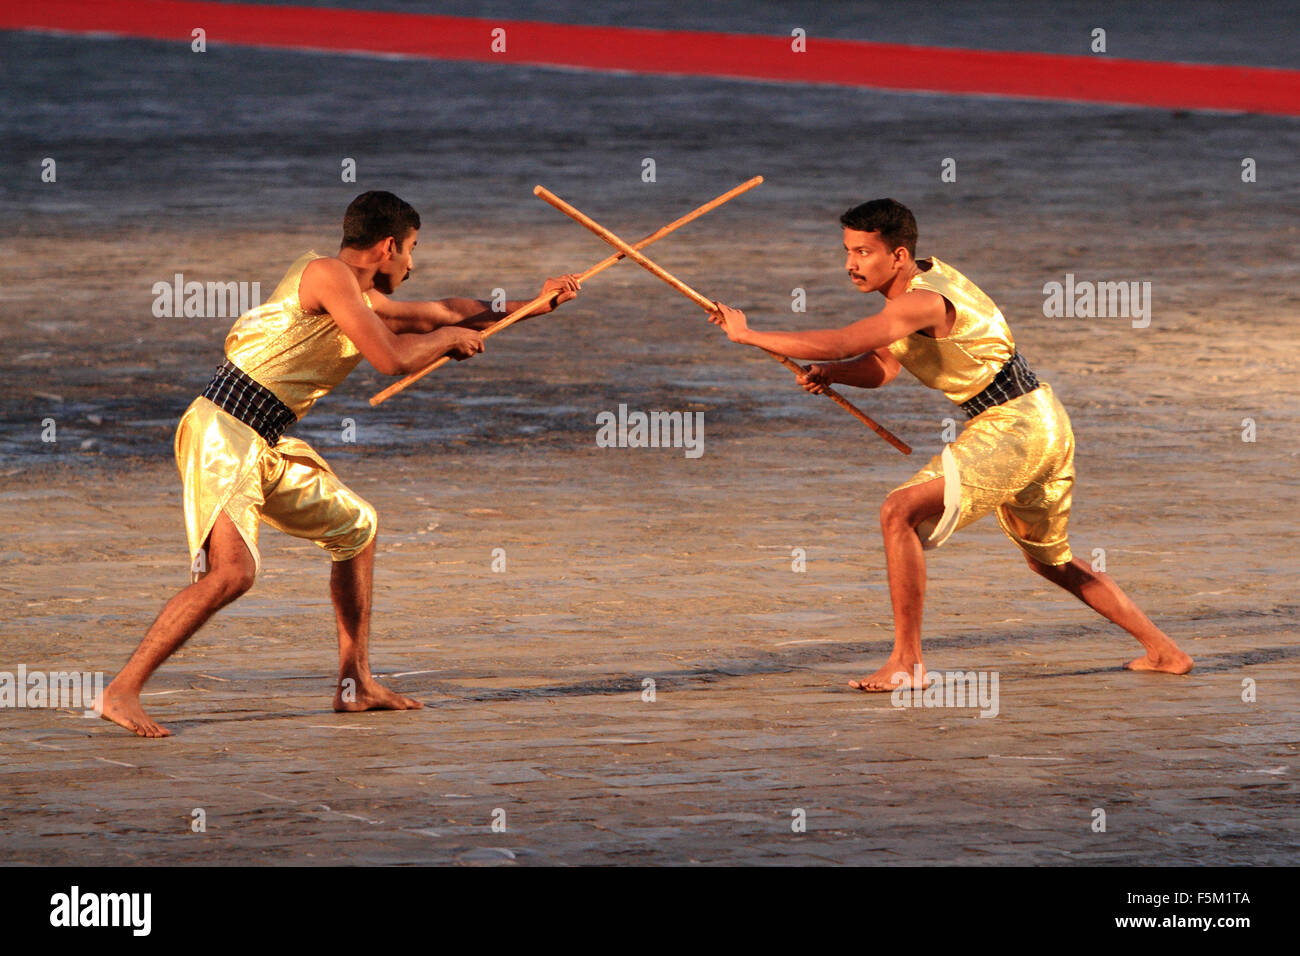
[
  {"x": 397, "y": 268},
  {"x": 870, "y": 263}
]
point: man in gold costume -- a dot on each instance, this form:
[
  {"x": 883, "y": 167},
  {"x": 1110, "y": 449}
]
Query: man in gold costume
[
  {"x": 238, "y": 469},
  {"x": 1015, "y": 456}
]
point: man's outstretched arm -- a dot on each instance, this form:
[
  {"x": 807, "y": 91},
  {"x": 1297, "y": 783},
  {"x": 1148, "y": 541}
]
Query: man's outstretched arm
[
  {"x": 866, "y": 371},
  {"x": 328, "y": 285},
  {"x": 898, "y": 319},
  {"x": 478, "y": 314}
]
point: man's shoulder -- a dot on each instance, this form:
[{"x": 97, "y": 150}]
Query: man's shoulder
[
  {"x": 946, "y": 280},
  {"x": 315, "y": 264},
  {"x": 328, "y": 278},
  {"x": 934, "y": 268},
  {"x": 918, "y": 298},
  {"x": 927, "y": 290},
  {"x": 317, "y": 272},
  {"x": 318, "y": 276}
]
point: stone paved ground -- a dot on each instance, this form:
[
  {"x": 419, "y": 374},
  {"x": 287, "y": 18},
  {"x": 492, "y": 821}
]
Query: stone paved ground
[{"x": 534, "y": 684}]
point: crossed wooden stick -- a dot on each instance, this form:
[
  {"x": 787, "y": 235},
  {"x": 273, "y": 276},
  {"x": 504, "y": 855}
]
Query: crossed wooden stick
[
  {"x": 531, "y": 307},
  {"x": 633, "y": 252}
]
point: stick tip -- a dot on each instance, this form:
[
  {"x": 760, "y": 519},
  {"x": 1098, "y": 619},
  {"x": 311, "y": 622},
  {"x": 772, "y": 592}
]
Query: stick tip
[{"x": 538, "y": 190}]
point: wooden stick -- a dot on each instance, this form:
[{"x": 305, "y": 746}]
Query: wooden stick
[
  {"x": 708, "y": 306},
  {"x": 601, "y": 266}
]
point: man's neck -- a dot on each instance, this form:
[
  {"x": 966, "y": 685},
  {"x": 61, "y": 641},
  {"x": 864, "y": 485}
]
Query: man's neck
[
  {"x": 901, "y": 281},
  {"x": 361, "y": 267}
]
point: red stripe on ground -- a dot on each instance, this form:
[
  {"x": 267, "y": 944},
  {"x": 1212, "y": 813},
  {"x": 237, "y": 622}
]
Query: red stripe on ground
[{"x": 1094, "y": 79}]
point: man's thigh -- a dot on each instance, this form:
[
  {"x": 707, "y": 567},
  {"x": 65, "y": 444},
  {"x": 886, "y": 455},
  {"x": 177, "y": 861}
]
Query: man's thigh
[
  {"x": 307, "y": 501},
  {"x": 1038, "y": 519}
]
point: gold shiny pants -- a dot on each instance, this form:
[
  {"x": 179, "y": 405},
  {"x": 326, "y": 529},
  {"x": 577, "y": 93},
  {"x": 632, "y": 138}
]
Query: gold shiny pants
[
  {"x": 227, "y": 467},
  {"x": 1015, "y": 459}
]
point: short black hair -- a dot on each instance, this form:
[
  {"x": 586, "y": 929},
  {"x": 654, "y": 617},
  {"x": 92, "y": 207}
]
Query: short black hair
[
  {"x": 374, "y": 216},
  {"x": 889, "y": 217}
]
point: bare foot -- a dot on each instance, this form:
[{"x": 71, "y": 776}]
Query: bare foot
[
  {"x": 123, "y": 708},
  {"x": 893, "y": 675},
  {"x": 369, "y": 694},
  {"x": 1168, "y": 661}
]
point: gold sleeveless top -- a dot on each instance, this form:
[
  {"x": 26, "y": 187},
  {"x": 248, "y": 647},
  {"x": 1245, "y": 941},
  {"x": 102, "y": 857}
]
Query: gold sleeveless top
[
  {"x": 962, "y": 363},
  {"x": 297, "y": 356}
]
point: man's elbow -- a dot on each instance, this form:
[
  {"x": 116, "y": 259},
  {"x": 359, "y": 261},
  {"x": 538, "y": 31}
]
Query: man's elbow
[
  {"x": 389, "y": 363},
  {"x": 884, "y": 368}
]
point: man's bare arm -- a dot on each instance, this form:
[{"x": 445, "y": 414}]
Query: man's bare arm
[
  {"x": 328, "y": 285},
  {"x": 466, "y": 313},
  {"x": 899, "y": 318},
  {"x": 866, "y": 371}
]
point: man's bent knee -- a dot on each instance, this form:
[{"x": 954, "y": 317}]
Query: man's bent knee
[
  {"x": 231, "y": 582},
  {"x": 902, "y": 512},
  {"x": 894, "y": 513}
]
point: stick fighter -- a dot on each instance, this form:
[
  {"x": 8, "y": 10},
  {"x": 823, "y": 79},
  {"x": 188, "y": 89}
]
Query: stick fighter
[
  {"x": 1015, "y": 456},
  {"x": 327, "y": 313}
]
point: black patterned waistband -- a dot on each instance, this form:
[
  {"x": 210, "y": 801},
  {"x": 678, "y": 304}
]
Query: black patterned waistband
[
  {"x": 239, "y": 396},
  {"x": 1013, "y": 380}
]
